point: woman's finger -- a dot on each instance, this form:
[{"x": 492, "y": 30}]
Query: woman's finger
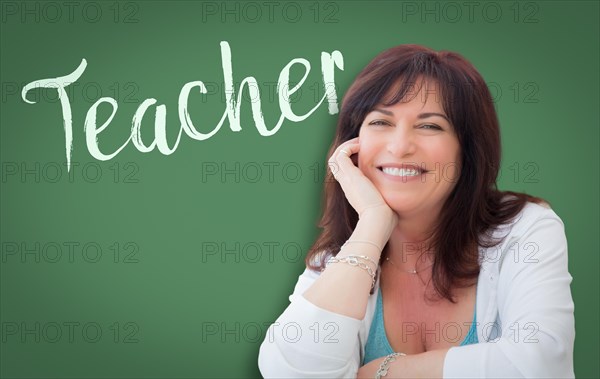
[
  {"x": 343, "y": 160},
  {"x": 345, "y": 146},
  {"x": 341, "y": 157}
]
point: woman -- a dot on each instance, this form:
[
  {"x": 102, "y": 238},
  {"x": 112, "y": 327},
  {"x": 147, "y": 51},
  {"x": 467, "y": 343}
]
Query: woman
[{"x": 424, "y": 268}]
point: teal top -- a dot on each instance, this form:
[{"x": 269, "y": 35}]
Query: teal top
[{"x": 378, "y": 345}]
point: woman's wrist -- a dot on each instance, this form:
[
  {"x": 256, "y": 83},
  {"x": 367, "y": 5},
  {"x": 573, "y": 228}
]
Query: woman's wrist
[
  {"x": 380, "y": 222},
  {"x": 385, "y": 365}
]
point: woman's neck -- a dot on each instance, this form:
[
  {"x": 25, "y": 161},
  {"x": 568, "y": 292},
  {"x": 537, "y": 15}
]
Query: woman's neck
[{"x": 409, "y": 245}]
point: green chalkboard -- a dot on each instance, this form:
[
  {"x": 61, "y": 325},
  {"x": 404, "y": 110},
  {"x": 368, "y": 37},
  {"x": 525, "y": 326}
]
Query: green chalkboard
[{"x": 143, "y": 261}]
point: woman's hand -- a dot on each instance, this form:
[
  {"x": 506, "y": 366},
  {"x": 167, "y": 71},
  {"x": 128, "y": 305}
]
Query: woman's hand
[{"x": 359, "y": 190}]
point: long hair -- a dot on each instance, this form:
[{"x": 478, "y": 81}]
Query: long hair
[{"x": 475, "y": 207}]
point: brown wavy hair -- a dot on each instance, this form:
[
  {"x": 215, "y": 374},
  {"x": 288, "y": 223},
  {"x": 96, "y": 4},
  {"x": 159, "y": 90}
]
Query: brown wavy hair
[{"x": 475, "y": 207}]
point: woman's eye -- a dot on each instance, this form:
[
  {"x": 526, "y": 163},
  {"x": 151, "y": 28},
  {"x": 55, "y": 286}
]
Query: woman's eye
[
  {"x": 431, "y": 126},
  {"x": 379, "y": 122}
]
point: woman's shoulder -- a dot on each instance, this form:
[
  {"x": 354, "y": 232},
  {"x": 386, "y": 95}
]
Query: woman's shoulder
[
  {"x": 536, "y": 230},
  {"x": 532, "y": 214}
]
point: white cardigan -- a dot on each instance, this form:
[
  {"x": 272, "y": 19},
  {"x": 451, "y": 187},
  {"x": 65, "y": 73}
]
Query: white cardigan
[{"x": 525, "y": 315}]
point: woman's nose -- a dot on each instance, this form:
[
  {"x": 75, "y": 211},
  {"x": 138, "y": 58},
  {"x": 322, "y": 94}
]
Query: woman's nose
[{"x": 401, "y": 141}]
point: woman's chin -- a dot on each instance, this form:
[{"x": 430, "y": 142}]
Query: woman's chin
[
  {"x": 402, "y": 206},
  {"x": 405, "y": 205}
]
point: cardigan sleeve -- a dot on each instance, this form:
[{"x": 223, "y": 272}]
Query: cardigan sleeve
[
  {"x": 307, "y": 341},
  {"x": 535, "y": 309}
]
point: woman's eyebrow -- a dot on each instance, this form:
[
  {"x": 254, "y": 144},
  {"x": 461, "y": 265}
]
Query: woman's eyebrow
[
  {"x": 420, "y": 116},
  {"x": 388, "y": 113},
  {"x": 431, "y": 114}
]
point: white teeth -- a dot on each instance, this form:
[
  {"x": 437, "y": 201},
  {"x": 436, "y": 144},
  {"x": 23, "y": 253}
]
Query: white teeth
[{"x": 401, "y": 171}]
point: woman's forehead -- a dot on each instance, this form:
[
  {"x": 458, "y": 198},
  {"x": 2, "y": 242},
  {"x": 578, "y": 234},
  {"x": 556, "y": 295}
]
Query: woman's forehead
[
  {"x": 425, "y": 101},
  {"x": 422, "y": 87}
]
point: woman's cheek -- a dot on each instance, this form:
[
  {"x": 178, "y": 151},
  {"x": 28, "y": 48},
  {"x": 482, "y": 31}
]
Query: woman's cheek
[{"x": 362, "y": 164}]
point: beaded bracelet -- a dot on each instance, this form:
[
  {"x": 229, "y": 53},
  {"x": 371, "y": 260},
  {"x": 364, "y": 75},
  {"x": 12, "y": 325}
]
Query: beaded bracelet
[
  {"x": 354, "y": 260},
  {"x": 383, "y": 368}
]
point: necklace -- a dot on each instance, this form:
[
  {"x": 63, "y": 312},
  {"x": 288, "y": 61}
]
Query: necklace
[{"x": 413, "y": 272}]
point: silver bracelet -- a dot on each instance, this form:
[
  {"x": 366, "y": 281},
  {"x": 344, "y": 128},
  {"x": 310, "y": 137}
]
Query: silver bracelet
[
  {"x": 363, "y": 241},
  {"x": 364, "y": 257},
  {"x": 354, "y": 261},
  {"x": 383, "y": 368}
]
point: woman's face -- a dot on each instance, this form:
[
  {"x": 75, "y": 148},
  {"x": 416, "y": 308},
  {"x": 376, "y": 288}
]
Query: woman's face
[{"x": 411, "y": 153}]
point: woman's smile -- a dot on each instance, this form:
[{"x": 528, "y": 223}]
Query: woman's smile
[{"x": 403, "y": 172}]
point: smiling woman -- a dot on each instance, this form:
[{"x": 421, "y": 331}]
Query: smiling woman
[{"x": 418, "y": 271}]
